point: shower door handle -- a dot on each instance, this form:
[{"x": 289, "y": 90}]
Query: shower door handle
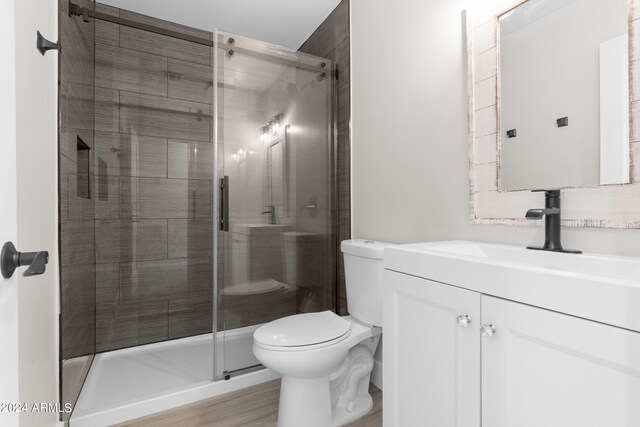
[{"x": 224, "y": 203}]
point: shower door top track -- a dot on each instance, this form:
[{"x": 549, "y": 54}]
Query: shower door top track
[{"x": 86, "y": 13}]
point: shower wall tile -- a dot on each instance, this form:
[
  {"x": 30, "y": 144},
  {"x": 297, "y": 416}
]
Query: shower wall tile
[
  {"x": 155, "y": 198},
  {"x": 131, "y": 70},
  {"x": 189, "y": 238},
  {"x": 77, "y": 246},
  {"x": 332, "y": 40},
  {"x": 190, "y": 159},
  {"x": 80, "y": 337},
  {"x": 131, "y": 155},
  {"x": 125, "y": 240},
  {"x": 130, "y": 324},
  {"x": 164, "y": 117},
  {"x": 77, "y": 299},
  {"x": 77, "y": 290},
  {"x": 107, "y": 32},
  {"x": 76, "y": 106},
  {"x": 163, "y": 280},
  {"x": 80, "y": 208},
  {"x": 76, "y": 65},
  {"x": 159, "y": 44},
  {"x": 190, "y": 315},
  {"x": 333, "y": 31},
  {"x": 265, "y": 308},
  {"x": 106, "y": 196},
  {"x": 190, "y": 81},
  {"x": 107, "y": 284},
  {"x": 107, "y": 109}
]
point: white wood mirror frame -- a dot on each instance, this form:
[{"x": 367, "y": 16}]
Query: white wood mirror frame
[{"x": 614, "y": 206}]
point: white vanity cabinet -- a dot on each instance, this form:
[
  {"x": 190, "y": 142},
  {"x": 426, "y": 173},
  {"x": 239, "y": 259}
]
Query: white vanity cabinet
[
  {"x": 431, "y": 353},
  {"x": 513, "y": 365},
  {"x": 542, "y": 368}
]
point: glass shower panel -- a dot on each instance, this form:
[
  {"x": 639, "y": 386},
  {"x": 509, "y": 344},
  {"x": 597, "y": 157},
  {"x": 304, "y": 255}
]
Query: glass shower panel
[
  {"x": 276, "y": 175},
  {"x": 153, "y": 186}
]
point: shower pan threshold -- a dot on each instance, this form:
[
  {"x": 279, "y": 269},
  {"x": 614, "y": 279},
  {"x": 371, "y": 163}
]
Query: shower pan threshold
[{"x": 126, "y": 384}]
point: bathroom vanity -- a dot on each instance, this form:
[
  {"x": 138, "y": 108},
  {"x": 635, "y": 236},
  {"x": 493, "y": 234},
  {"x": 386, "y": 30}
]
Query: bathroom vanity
[{"x": 501, "y": 336}]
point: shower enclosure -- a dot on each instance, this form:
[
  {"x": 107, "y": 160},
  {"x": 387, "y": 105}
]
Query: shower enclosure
[{"x": 197, "y": 201}]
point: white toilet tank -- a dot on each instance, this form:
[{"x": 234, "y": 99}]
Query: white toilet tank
[{"x": 363, "y": 276}]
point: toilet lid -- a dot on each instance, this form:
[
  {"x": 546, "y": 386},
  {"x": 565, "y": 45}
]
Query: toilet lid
[{"x": 302, "y": 329}]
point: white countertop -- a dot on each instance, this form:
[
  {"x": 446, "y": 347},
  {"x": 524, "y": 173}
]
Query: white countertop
[{"x": 602, "y": 288}]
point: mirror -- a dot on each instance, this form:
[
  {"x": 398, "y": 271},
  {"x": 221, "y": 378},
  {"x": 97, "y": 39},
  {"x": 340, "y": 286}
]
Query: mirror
[
  {"x": 274, "y": 135},
  {"x": 563, "y": 94}
]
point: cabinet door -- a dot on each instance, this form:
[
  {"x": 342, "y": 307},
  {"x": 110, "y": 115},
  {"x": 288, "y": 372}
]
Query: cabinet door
[
  {"x": 542, "y": 368},
  {"x": 431, "y": 371}
]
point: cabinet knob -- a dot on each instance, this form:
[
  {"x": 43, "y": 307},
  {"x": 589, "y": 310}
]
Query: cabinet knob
[
  {"x": 463, "y": 320},
  {"x": 487, "y": 330}
]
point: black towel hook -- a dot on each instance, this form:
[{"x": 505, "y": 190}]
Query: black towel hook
[{"x": 44, "y": 45}]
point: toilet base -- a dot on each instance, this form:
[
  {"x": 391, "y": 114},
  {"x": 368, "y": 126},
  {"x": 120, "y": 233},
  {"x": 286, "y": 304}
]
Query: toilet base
[
  {"x": 305, "y": 402},
  {"x": 362, "y": 405}
]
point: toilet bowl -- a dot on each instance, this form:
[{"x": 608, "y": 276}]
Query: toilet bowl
[{"x": 326, "y": 360}]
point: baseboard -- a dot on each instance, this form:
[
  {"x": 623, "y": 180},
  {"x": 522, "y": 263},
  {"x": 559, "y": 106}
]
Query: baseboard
[{"x": 376, "y": 374}]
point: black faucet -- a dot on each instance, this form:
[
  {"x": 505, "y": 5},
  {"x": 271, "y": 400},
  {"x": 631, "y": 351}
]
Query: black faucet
[{"x": 551, "y": 214}]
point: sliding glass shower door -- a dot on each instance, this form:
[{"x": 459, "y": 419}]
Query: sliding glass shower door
[{"x": 276, "y": 245}]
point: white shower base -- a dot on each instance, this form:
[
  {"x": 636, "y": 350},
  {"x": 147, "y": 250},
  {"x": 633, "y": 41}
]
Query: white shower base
[{"x": 138, "y": 381}]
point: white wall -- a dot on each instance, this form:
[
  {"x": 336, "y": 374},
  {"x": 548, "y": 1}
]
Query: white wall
[
  {"x": 409, "y": 128},
  {"x": 9, "y": 390},
  {"x": 36, "y": 140}
]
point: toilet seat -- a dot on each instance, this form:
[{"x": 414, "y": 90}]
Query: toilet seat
[{"x": 303, "y": 331}]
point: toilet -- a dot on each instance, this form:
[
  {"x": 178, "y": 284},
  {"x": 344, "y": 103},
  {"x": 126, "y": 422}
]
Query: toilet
[{"x": 326, "y": 360}]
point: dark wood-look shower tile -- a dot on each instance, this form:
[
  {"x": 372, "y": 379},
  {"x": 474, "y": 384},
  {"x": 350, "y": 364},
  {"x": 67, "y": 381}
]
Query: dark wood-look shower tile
[
  {"x": 76, "y": 106},
  {"x": 233, "y": 312},
  {"x": 166, "y": 279},
  {"x": 107, "y": 32},
  {"x": 164, "y": 117},
  {"x": 106, "y": 196},
  {"x": 330, "y": 33},
  {"x": 155, "y": 198},
  {"x": 77, "y": 243},
  {"x": 80, "y": 207},
  {"x": 78, "y": 334},
  {"x": 191, "y": 315},
  {"x": 64, "y": 192},
  {"x": 131, "y": 155},
  {"x": 107, "y": 110},
  {"x": 271, "y": 306},
  {"x": 190, "y": 81},
  {"x": 130, "y": 324},
  {"x": 130, "y": 70},
  {"x": 107, "y": 284},
  {"x": 127, "y": 241},
  {"x": 188, "y": 238},
  {"x": 77, "y": 288},
  {"x": 77, "y": 305},
  {"x": 162, "y": 45},
  {"x": 76, "y": 57},
  {"x": 190, "y": 159}
]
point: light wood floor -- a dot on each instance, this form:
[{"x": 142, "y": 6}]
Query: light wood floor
[{"x": 253, "y": 406}]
